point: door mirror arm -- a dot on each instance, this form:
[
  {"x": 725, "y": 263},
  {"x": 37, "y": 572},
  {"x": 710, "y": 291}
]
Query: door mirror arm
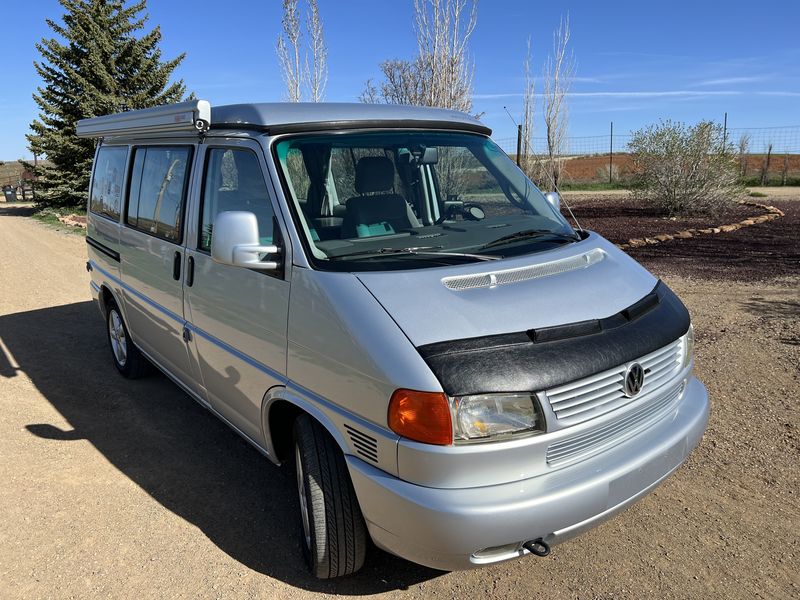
[
  {"x": 249, "y": 256},
  {"x": 235, "y": 242}
]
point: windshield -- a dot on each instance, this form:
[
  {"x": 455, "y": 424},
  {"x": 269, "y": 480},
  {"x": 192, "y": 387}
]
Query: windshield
[{"x": 399, "y": 200}]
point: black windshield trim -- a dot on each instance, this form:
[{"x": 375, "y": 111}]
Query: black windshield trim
[{"x": 328, "y": 126}]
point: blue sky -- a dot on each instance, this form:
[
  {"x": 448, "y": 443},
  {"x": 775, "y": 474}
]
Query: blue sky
[{"x": 636, "y": 61}]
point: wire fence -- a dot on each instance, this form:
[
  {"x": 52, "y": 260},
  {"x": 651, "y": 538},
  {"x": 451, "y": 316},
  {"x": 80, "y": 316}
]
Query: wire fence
[
  {"x": 784, "y": 140},
  {"x": 601, "y": 158}
]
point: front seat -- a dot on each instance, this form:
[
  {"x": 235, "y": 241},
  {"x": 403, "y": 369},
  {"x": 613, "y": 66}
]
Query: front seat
[{"x": 377, "y": 210}]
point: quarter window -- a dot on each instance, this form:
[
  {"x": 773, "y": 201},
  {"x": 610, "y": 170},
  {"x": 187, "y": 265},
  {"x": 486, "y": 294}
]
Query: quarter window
[
  {"x": 109, "y": 168},
  {"x": 158, "y": 188},
  {"x": 233, "y": 181}
]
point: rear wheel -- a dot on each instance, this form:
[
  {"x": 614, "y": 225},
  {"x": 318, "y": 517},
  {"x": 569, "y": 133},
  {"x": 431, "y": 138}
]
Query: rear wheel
[
  {"x": 334, "y": 535},
  {"x": 127, "y": 358}
]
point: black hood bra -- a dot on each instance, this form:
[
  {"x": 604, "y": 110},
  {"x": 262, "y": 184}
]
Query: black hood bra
[{"x": 539, "y": 359}]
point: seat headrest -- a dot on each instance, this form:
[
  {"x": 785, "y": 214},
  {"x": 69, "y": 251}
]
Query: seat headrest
[{"x": 374, "y": 174}]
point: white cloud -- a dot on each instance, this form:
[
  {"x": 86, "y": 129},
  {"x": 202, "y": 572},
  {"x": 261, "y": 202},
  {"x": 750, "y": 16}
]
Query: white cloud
[
  {"x": 730, "y": 81},
  {"x": 630, "y": 94}
]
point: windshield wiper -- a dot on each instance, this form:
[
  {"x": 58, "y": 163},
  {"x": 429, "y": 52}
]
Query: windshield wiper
[
  {"x": 417, "y": 251},
  {"x": 526, "y": 234}
]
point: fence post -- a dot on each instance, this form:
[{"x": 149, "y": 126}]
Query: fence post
[
  {"x": 725, "y": 133},
  {"x": 611, "y": 155},
  {"x": 519, "y": 144},
  {"x": 35, "y": 175}
]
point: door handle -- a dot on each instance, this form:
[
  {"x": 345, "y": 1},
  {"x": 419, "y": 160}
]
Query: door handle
[
  {"x": 176, "y": 266},
  {"x": 190, "y": 272}
]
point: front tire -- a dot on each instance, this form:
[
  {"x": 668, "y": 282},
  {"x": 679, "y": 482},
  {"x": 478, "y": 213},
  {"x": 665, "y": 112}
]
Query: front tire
[
  {"x": 130, "y": 362},
  {"x": 334, "y": 535}
]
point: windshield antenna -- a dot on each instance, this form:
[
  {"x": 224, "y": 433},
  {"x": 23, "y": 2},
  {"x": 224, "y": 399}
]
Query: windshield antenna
[{"x": 530, "y": 150}]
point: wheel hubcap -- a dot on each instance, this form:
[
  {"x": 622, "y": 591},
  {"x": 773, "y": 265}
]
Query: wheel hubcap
[
  {"x": 116, "y": 333},
  {"x": 301, "y": 491}
]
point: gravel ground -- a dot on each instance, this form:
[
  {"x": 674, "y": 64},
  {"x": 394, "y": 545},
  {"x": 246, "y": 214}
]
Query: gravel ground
[{"x": 130, "y": 490}]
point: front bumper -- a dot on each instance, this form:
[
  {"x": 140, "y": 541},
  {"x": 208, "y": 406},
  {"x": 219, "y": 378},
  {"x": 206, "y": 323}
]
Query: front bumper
[{"x": 446, "y": 528}]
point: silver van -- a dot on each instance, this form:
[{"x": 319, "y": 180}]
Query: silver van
[{"x": 378, "y": 296}]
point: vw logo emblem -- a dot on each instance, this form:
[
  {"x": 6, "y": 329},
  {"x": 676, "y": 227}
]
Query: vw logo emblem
[{"x": 634, "y": 380}]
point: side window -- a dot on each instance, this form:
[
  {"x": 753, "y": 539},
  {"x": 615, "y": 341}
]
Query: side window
[
  {"x": 233, "y": 181},
  {"x": 158, "y": 187},
  {"x": 106, "y": 193}
]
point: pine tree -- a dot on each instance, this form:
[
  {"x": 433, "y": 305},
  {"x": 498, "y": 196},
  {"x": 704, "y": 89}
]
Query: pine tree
[{"x": 101, "y": 62}]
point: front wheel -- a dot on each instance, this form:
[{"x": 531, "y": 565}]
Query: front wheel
[{"x": 334, "y": 536}]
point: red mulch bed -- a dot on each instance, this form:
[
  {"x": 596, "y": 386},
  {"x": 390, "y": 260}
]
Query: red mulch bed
[
  {"x": 760, "y": 252},
  {"x": 620, "y": 219}
]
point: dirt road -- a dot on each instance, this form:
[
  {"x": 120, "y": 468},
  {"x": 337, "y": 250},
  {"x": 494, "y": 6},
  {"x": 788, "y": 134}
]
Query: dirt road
[{"x": 124, "y": 489}]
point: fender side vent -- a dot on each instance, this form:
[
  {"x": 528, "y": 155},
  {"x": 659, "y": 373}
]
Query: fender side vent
[{"x": 365, "y": 446}]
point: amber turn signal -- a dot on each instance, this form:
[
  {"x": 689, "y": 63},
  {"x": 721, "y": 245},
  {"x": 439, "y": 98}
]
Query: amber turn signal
[{"x": 421, "y": 416}]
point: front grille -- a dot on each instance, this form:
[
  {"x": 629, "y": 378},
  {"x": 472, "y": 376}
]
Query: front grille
[
  {"x": 601, "y": 393},
  {"x": 612, "y": 433}
]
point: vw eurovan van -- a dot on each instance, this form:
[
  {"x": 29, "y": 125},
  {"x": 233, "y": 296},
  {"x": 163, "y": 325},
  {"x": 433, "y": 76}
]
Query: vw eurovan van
[{"x": 379, "y": 297}]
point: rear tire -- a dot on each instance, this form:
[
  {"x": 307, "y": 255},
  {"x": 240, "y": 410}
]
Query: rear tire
[
  {"x": 130, "y": 362},
  {"x": 333, "y": 534}
]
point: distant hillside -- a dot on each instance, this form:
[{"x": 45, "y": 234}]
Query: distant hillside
[{"x": 11, "y": 172}]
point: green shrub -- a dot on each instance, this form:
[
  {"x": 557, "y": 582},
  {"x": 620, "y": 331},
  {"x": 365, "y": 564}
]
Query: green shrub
[{"x": 684, "y": 169}]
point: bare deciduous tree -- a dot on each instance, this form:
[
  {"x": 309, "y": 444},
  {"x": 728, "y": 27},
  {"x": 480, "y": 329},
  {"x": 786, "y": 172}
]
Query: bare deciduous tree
[
  {"x": 289, "y": 50},
  {"x": 317, "y": 70},
  {"x": 558, "y": 73},
  {"x": 744, "y": 148},
  {"x": 765, "y": 164},
  {"x": 528, "y": 162},
  {"x": 441, "y": 74},
  {"x": 401, "y": 84},
  {"x": 442, "y": 42},
  {"x": 311, "y": 70}
]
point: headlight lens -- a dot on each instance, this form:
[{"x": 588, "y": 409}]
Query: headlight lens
[
  {"x": 485, "y": 416},
  {"x": 688, "y": 346}
]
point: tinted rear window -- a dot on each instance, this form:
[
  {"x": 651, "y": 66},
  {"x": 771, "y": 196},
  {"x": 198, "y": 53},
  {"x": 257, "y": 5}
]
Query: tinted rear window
[
  {"x": 158, "y": 189},
  {"x": 109, "y": 169}
]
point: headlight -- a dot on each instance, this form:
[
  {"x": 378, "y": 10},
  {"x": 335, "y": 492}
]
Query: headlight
[
  {"x": 490, "y": 415},
  {"x": 688, "y": 346}
]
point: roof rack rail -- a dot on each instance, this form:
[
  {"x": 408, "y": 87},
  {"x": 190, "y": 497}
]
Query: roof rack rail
[{"x": 194, "y": 115}]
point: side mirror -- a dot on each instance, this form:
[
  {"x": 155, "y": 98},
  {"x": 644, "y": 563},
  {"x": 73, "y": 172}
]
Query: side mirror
[
  {"x": 235, "y": 242},
  {"x": 554, "y": 199}
]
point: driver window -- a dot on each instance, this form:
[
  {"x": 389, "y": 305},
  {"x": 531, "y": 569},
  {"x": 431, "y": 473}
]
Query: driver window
[{"x": 233, "y": 181}]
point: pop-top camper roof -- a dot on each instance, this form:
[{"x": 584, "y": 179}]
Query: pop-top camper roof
[{"x": 275, "y": 118}]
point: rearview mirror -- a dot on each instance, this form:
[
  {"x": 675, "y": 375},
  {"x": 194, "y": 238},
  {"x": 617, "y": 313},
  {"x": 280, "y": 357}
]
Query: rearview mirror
[
  {"x": 554, "y": 199},
  {"x": 235, "y": 242}
]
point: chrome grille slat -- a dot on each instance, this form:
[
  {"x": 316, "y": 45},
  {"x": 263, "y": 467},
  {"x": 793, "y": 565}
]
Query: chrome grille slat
[
  {"x": 669, "y": 359},
  {"x": 612, "y": 433},
  {"x": 655, "y": 382},
  {"x": 665, "y": 366},
  {"x": 592, "y": 379},
  {"x": 589, "y": 407},
  {"x": 598, "y": 394},
  {"x": 612, "y": 387},
  {"x": 668, "y": 349}
]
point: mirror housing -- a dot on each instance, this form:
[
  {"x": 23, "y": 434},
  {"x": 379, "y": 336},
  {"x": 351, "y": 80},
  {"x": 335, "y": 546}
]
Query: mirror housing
[
  {"x": 554, "y": 199},
  {"x": 235, "y": 242}
]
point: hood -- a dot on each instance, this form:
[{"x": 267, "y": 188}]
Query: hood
[{"x": 591, "y": 279}]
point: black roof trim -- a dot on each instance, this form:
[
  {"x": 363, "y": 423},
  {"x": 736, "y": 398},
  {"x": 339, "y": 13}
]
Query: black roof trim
[{"x": 362, "y": 124}]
